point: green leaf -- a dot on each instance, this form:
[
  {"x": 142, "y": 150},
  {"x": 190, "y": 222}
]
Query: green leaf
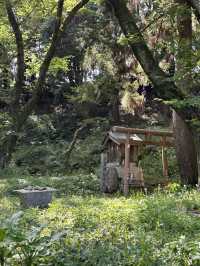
[
  {"x": 58, "y": 236},
  {"x": 3, "y": 232},
  {"x": 15, "y": 217},
  {"x": 58, "y": 64}
]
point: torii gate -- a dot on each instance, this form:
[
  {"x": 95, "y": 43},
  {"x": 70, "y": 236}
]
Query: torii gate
[{"x": 124, "y": 137}]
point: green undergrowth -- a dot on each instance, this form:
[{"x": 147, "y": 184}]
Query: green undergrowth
[
  {"x": 87, "y": 228},
  {"x": 152, "y": 166},
  {"x": 79, "y": 184}
]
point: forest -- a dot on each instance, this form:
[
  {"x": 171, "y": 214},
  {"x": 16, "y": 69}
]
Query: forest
[{"x": 99, "y": 132}]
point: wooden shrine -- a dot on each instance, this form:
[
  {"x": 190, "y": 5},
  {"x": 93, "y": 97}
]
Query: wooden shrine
[{"x": 120, "y": 160}]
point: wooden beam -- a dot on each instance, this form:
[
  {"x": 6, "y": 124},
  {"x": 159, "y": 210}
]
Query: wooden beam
[
  {"x": 157, "y": 143},
  {"x": 150, "y": 142},
  {"x": 147, "y": 132}
]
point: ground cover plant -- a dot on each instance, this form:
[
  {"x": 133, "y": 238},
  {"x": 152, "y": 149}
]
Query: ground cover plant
[{"x": 91, "y": 229}]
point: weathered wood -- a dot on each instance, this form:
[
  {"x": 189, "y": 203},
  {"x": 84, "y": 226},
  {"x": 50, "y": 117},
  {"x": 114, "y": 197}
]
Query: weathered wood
[
  {"x": 108, "y": 152},
  {"x": 150, "y": 142},
  {"x": 165, "y": 163},
  {"x": 146, "y": 132},
  {"x": 186, "y": 151},
  {"x": 111, "y": 181},
  {"x": 124, "y": 151},
  {"x": 136, "y": 175},
  {"x": 127, "y": 165},
  {"x": 164, "y": 159},
  {"x": 103, "y": 171}
]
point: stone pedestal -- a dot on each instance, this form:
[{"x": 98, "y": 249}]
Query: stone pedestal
[{"x": 35, "y": 197}]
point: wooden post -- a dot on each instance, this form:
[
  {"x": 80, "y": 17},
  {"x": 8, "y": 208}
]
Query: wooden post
[
  {"x": 109, "y": 152},
  {"x": 103, "y": 170},
  {"x": 127, "y": 165},
  {"x": 136, "y": 154},
  {"x": 164, "y": 159}
]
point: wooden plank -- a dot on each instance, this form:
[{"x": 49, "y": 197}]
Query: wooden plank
[
  {"x": 147, "y": 132},
  {"x": 115, "y": 140}
]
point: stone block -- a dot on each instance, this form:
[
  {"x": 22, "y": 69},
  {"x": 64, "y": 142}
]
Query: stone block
[{"x": 35, "y": 196}]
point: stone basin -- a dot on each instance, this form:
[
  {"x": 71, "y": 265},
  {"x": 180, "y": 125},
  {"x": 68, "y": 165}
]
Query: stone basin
[{"x": 35, "y": 196}]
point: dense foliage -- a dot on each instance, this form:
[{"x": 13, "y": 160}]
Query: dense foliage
[{"x": 156, "y": 229}]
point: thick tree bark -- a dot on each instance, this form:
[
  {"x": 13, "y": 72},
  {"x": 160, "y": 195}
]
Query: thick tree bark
[
  {"x": 162, "y": 83},
  {"x": 185, "y": 144},
  {"x": 185, "y": 151},
  {"x": 115, "y": 109},
  {"x": 184, "y": 53}
]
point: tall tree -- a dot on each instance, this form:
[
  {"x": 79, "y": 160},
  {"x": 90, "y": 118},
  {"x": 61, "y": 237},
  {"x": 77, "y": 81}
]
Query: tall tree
[
  {"x": 18, "y": 111},
  {"x": 165, "y": 86},
  {"x": 185, "y": 144}
]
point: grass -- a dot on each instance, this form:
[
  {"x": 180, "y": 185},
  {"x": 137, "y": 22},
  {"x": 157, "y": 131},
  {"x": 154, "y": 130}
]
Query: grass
[{"x": 142, "y": 230}]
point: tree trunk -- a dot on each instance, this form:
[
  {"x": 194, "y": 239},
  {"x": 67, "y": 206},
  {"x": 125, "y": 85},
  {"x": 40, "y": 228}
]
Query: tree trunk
[
  {"x": 115, "y": 109},
  {"x": 185, "y": 151},
  {"x": 7, "y": 149},
  {"x": 72, "y": 145},
  {"x": 185, "y": 145},
  {"x": 165, "y": 86},
  {"x": 21, "y": 115},
  {"x": 184, "y": 53}
]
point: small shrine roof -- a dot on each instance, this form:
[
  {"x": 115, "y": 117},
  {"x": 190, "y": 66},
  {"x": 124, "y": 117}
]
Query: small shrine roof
[{"x": 120, "y": 138}]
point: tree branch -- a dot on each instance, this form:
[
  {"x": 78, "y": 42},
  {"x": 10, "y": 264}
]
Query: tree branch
[
  {"x": 152, "y": 22},
  {"x": 195, "y": 4},
  {"x": 29, "y": 107},
  {"x": 50, "y": 53},
  {"x": 22, "y": 115},
  {"x": 73, "y": 143},
  {"x": 20, "y": 54},
  {"x": 166, "y": 88},
  {"x": 73, "y": 12}
]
